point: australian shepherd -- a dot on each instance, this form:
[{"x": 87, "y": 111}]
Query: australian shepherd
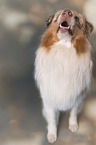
[{"x": 63, "y": 67}]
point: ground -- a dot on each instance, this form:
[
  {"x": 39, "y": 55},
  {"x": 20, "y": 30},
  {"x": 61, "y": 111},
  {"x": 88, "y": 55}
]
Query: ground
[{"x": 21, "y": 122}]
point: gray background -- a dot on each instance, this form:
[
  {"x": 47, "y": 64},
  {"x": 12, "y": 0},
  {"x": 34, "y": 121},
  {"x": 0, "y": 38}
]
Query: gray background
[{"x": 22, "y": 22}]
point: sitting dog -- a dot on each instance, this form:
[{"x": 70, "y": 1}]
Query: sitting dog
[{"x": 63, "y": 67}]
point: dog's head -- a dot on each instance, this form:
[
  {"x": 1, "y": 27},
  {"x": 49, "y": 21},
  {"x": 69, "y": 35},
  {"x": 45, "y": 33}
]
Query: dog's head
[{"x": 68, "y": 25}]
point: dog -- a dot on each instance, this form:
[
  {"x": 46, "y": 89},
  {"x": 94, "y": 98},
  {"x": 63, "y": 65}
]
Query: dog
[{"x": 63, "y": 67}]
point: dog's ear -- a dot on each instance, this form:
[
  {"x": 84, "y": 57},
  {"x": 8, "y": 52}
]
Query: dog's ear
[
  {"x": 88, "y": 28},
  {"x": 49, "y": 20}
]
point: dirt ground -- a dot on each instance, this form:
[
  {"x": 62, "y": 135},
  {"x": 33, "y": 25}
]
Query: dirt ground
[{"x": 21, "y": 122}]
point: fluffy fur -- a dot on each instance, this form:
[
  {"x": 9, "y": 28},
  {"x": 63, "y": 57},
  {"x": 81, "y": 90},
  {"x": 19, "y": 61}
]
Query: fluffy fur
[{"x": 63, "y": 69}]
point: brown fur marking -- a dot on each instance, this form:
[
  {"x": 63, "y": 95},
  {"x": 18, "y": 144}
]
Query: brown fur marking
[
  {"x": 49, "y": 37},
  {"x": 80, "y": 45}
]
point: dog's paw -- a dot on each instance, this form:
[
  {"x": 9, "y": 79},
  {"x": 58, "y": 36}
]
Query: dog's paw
[
  {"x": 73, "y": 127},
  {"x": 51, "y": 137}
]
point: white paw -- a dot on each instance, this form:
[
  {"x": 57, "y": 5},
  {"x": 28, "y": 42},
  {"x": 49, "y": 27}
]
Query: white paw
[
  {"x": 73, "y": 127},
  {"x": 51, "y": 137}
]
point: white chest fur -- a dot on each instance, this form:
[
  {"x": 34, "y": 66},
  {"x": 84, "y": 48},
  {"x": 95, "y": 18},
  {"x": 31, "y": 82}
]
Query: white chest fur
[{"x": 61, "y": 74}]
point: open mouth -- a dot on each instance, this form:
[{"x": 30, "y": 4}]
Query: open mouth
[{"x": 64, "y": 25}]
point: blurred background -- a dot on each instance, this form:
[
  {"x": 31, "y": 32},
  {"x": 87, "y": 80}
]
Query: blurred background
[{"x": 22, "y": 22}]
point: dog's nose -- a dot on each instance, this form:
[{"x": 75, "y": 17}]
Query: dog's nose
[{"x": 67, "y": 13}]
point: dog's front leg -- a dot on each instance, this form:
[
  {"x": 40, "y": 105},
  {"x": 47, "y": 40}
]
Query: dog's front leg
[{"x": 51, "y": 117}]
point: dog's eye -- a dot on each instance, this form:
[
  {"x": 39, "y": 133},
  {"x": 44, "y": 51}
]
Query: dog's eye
[{"x": 76, "y": 18}]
